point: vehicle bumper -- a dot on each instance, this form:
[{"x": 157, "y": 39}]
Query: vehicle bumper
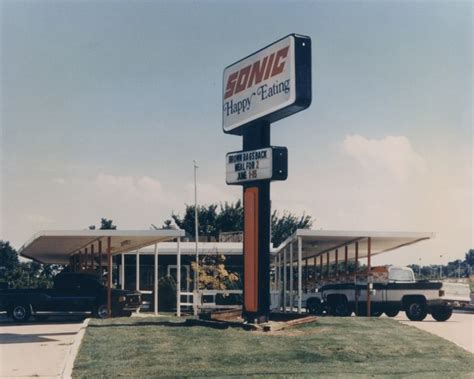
[{"x": 448, "y": 303}]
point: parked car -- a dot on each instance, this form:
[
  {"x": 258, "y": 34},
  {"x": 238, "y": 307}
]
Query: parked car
[
  {"x": 72, "y": 293},
  {"x": 394, "y": 289}
]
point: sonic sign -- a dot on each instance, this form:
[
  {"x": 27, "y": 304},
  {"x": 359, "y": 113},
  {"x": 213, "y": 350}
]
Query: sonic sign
[
  {"x": 268, "y": 85},
  {"x": 264, "y": 87}
]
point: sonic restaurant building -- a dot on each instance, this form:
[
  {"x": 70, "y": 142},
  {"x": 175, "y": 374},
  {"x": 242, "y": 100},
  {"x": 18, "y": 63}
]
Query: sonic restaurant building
[{"x": 149, "y": 260}]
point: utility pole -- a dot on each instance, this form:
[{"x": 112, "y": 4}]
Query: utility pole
[{"x": 196, "y": 233}]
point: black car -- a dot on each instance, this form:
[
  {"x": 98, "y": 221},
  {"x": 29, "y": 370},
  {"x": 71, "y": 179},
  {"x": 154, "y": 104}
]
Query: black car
[{"x": 72, "y": 293}]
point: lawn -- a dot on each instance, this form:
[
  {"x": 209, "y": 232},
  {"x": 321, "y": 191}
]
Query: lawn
[{"x": 330, "y": 347}]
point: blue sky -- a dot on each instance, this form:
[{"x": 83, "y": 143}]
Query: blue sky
[{"x": 104, "y": 105}]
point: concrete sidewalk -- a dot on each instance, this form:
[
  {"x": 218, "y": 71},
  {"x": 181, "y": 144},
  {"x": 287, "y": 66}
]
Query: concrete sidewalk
[
  {"x": 458, "y": 329},
  {"x": 36, "y": 349}
]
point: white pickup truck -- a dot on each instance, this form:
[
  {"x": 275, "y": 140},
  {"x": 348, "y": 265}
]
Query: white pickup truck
[{"x": 393, "y": 289}]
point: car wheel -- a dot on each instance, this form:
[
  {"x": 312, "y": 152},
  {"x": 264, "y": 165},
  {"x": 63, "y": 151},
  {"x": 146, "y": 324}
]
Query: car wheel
[
  {"x": 314, "y": 307},
  {"x": 416, "y": 311},
  {"x": 21, "y": 312},
  {"x": 391, "y": 312},
  {"x": 102, "y": 311},
  {"x": 442, "y": 313},
  {"x": 341, "y": 309}
]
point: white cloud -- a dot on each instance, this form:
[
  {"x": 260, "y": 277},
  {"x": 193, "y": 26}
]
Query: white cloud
[
  {"x": 38, "y": 221},
  {"x": 59, "y": 181},
  {"x": 393, "y": 155},
  {"x": 130, "y": 188}
]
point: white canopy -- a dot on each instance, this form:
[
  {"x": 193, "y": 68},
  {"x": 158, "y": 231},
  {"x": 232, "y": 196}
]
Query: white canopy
[
  {"x": 56, "y": 246},
  {"x": 319, "y": 242}
]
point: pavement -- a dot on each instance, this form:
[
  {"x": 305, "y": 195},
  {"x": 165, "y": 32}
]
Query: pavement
[
  {"x": 458, "y": 329},
  {"x": 39, "y": 349}
]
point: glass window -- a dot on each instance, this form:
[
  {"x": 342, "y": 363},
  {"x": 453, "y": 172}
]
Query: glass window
[{"x": 401, "y": 275}]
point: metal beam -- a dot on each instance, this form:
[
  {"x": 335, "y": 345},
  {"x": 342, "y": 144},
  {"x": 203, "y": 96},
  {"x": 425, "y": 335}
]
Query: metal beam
[
  {"x": 109, "y": 276},
  {"x": 356, "y": 294},
  {"x": 284, "y": 278},
  {"x": 100, "y": 260},
  {"x": 291, "y": 277},
  {"x": 122, "y": 271},
  {"x": 345, "y": 260},
  {"x": 369, "y": 277},
  {"x": 178, "y": 278},
  {"x": 155, "y": 289},
  {"x": 137, "y": 271},
  {"x": 300, "y": 284}
]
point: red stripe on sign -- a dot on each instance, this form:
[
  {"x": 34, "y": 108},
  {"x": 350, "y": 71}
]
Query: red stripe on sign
[{"x": 251, "y": 249}]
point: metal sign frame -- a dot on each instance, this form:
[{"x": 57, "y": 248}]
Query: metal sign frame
[{"x": 302, "y": 77}]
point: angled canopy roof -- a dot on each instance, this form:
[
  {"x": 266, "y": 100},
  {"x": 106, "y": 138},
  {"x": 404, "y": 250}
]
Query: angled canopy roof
[
  {"x": 56, "y": 246},
  {"x": 319, "y": 242}
]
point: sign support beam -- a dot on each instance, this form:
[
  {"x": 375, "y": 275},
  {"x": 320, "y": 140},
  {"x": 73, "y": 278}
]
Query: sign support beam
[{"x": 257, "y": 282}]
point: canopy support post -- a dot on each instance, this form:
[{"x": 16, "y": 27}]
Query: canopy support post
[
  {"x": 356, "y": 297},
  {"x": 300, "y": 284},
  {"x": 109, "y": 276},
  {"x": 284, "y": 279},
  {"x": 122, "y": 271},
  {"x": 337, "y": 263},
  {"x": 100, "y": 260},
  {"x": 92, "y": 256},
  {"x": 345, "y": 260},
  {"x": 155, "y": 289},
  {"x": 178, "y": 278},
  {"x": 369, "y": 276},
  {"x": 85, "y": 259},
  {"x": 291, "y": 277}
]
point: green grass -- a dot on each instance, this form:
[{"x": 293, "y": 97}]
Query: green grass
[{"x": 330, "y": 347}]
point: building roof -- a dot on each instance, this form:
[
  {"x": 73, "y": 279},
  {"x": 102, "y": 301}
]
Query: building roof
[
  {"x": 318, "y": 242},
  {"x": 56, "y": 246}
]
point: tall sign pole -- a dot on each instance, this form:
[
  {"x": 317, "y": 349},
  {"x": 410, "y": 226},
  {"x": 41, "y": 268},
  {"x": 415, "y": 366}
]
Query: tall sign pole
[{"x": 264, "y": 87}]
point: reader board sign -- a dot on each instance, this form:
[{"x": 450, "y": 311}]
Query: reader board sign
[
  {"x": 270, "y": 163},
  {"x": 268, "y": 85}
]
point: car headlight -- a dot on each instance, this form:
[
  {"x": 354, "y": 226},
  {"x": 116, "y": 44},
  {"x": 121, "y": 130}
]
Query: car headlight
[{"x": 121, "y": 299}]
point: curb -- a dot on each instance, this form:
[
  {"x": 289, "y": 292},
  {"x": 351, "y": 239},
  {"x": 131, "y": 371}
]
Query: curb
[{"x": 72, "y": 353}]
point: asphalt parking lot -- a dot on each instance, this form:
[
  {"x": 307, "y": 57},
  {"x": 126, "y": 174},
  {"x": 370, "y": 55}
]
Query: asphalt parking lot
[
  {"x": 36, "y": 349},
  {"x": 458, "y": 329}
]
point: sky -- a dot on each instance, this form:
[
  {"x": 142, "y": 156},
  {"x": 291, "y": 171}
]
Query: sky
[{"x": 105, "y": 105}]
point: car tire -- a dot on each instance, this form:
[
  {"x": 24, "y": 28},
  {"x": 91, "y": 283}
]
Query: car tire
[
  {"x": 21, "y": 312},
  {"x": 314, "y": 306},
  {"x": 391, "y": 312},
  {"x": 101, "y": 311},
  {"x": 341, "y": 308},
  {"x": 442, "y": 313},
  {"x": 416, "y": 311}
]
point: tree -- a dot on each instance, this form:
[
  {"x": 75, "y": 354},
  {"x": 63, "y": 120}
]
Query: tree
[
  {"x": 230, "y": 218},
  {"x": 286, "y": 225},
  {"x": 8, "y": 256},
  {"x": 24, "y": 274},
  {"x": 207, "y": 217},
  {"x": 213, "y": 274},
  {"x": 106, "y": 224},
  {"x": 469, "y": 258},
  {"x": 167, "y": 224}
]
